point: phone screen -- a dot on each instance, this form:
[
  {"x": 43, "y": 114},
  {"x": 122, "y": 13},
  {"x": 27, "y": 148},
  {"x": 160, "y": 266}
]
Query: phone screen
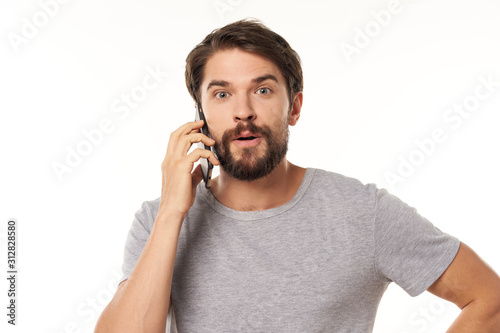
[{"x": 206, "y": 165}]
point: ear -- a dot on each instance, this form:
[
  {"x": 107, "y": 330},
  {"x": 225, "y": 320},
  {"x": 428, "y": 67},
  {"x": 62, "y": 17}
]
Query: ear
[{"x": 296, "y": 107}]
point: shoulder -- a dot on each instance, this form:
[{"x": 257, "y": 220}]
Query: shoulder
[{"x": 342, "y": 186}]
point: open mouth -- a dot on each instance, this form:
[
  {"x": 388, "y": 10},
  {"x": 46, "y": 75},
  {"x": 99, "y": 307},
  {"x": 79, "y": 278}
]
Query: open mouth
[{"x": 246, "y": 138}]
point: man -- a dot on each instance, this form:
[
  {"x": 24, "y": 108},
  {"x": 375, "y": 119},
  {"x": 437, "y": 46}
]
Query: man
[{"x": 272, "y": 246}]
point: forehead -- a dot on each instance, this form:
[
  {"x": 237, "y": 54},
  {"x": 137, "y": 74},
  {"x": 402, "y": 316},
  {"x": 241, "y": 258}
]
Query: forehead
[{"x": 238, "y": 67}]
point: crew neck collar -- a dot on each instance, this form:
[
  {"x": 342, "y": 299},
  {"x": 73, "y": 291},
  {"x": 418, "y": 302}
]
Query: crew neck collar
[{"x": 260, "y": 214}]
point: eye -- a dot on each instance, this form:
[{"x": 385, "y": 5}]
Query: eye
[
  {"x": 264, "y": 91},
  {"x": 221, "y": 95}
]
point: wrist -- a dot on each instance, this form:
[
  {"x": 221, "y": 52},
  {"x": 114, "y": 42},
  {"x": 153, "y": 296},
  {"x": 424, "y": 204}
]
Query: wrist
[{"x": 168, "y": 216}]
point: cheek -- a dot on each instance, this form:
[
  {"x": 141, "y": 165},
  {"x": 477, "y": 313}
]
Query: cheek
[
  {"x": 215, "y": 124},
  {"x": 214, "y": 134},
  {"x": 281, "y": 121},
  {"x": 217, "y": 132}
]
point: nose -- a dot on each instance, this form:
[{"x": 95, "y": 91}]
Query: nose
[{"x": 243, "y": 110}]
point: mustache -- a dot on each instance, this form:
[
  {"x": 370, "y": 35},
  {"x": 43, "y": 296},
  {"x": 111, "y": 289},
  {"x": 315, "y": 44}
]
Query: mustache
[{"x": 245, "y": 126}]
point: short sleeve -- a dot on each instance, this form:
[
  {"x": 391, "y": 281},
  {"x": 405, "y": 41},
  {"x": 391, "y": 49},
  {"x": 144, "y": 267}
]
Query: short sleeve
[
  {"x": 409, "y": 250},
  {"x": 136, "y": 240}
]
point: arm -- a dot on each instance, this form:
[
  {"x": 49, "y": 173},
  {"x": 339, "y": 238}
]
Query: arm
[
  {"x": 141, "y": 303},
  {"x": 475, "y": 288}
]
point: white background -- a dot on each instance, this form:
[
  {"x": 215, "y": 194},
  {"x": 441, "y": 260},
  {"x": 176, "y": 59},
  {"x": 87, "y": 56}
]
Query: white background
[{"x": 362, "y": 114}]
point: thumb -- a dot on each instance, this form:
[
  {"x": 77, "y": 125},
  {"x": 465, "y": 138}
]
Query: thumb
[{"x": 197, "y": 176}]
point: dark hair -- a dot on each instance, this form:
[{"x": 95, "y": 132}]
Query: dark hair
[{"x": 248, "y": 35}]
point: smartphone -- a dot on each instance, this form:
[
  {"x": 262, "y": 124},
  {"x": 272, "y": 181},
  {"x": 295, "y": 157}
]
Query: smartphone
[{"x": 206, "y": 165}]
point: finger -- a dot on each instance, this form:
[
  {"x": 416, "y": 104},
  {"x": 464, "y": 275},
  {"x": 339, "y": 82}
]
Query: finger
[
  {"x": 186, "y": 143},
  {"x": 195, "y": 130},
  {"x": 192, "y": 126},
  {"x": 213, "y": 159},
  {"x": 200, "y": 137},
  {"x": 177, "y": 135},
  {"x": 198, "y": 153},
  {"x": 186, "y": 129},
  {"x": 197, "y": 175}
]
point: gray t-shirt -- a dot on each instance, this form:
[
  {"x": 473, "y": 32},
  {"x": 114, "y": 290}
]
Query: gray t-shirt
[{"x": 319, "y": 263}]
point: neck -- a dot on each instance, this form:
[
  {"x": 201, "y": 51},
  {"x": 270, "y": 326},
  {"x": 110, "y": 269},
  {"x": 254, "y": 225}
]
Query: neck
[{"x": 274, "y": 190}]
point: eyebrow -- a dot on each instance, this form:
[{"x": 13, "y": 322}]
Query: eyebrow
[
  {"x": 219, "y": 83},
  {"x": 222, "y": 83},
  {"x": 264, "y": 78}
]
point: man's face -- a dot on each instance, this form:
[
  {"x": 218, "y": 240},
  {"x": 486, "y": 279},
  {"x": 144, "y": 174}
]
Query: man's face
[{"x": 245, "y": 101}]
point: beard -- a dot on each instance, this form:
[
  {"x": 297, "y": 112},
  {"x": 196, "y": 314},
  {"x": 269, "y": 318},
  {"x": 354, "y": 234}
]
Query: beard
[{"x": 250, "y": 166}]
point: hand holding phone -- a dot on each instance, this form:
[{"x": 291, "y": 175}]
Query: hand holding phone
[{"x": 206, "y": 165}]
